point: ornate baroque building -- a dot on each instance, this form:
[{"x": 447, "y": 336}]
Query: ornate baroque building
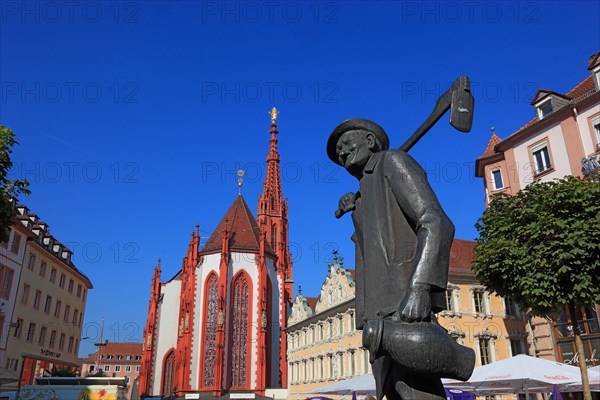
[
  {"x": 217, "y": 326},
  {"x": 563, "y": 138},
  {"x": 324, "y": 346}
]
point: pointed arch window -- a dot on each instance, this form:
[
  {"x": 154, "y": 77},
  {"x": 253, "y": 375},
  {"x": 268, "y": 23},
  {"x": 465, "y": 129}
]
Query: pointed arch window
[
  {"x": 169, "y": 374},
  {"x": 210, "y": 330},
  {"x": 274, "y": 237},
  {"x": 239, "y": 323}
]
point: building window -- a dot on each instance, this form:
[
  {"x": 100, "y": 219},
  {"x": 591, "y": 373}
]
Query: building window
[
  {"x": 31, "y": 263},
  {"x": 53, "y": 275},
  {"x": 511, "y": 307},
  {"x": 479, "y": 302},
  {"x": 107, "y": 368},
  {"x": 75, "y": 316},
  {"x": 57, "y": 309},
  {"x": 169, "y": 374},
  {"x": 42, "y": 338},
  {"x": 6, "y": 278},
  {"x": 128, "y": 368},
  {"x": 52, "y": 341},
  {"x": 70, "y": 289},
  {"x": 18, "y": 329},
  {"x": 450, "y": 299},
  {"x": 61, "y": 342},
  {"x": 48, "y": 304},
  {"x": 210, "y": 329},
  {"x": 67, "y": 313},
  {"x": 30, "y": 332},
  {"x": 25, "y": 294},
  {"x": 37, "y": 299},
  {"x": 545, "y": 109},
  {"x": 239, "y": 323},
  {"x": 497, "y": 179},
  {"x": 541, "y": 158},
  {"x": 517, "y": 347},
  {"x": 79, "y": 290},
  {"x": 61, "y": 282},
  {"x": 137, "y": 368},
  {"x": 117, "y": 368},
  {"x": 71, "y": 342},
  {"x": 484, "y": 351},
  {"x": 596, "y": 128},
  {"x": 128, "y": 357},
  {"x": 16, "y": 243},
  {"x": 43, "y": 269}
]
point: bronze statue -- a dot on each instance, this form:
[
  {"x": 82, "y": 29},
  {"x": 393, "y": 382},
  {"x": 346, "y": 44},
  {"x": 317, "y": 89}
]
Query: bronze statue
[{"x": 403, "y": 238}]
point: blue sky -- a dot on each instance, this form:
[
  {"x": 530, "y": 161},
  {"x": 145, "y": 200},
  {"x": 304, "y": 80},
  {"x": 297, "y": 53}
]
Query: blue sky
[{"x": 133, "y": 117}]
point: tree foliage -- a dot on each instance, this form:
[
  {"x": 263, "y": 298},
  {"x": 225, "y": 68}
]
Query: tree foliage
[
  {"x": 8, "y": 188},
  {"x": 541, "y": 247}
]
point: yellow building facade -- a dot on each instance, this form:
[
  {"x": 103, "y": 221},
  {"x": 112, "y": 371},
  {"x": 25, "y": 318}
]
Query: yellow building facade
[{"x": 324, "y": 347}]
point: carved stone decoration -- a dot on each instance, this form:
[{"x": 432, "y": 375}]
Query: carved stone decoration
[
  {"x": 337, "y": 288},
  {"x": 263, "y": 319}
]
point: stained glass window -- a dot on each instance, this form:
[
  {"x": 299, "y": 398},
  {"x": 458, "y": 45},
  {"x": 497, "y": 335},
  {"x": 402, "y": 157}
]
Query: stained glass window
[
  {"x": 210, "y": 350},
  {"x": 169, "y": 374},
  {"x": 239, "y": 322}
]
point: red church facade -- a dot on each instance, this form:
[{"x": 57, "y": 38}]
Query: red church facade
[{"x": 217, "y": 326}]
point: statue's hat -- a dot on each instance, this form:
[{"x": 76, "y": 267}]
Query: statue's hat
[{"x": 355, "y": 124}]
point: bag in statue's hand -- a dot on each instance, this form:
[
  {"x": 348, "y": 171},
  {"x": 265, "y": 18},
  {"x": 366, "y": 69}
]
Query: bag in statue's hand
[{"x": 424, "y": 348}]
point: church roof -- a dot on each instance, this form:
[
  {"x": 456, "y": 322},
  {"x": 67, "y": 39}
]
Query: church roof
[{"x": 243, "y": 228}]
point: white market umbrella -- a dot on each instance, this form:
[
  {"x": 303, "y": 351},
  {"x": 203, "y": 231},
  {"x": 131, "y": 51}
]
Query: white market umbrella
[
  {"x": 522, "y": 374},
  {"x": 593, "y": 378},
  {"x": 361, "y": 384}
]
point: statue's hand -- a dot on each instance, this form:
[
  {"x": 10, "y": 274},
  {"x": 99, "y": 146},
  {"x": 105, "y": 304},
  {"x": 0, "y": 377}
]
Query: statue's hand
[
  {"x": 417, "y": 304},
  {"x": 347, "y": 203}
]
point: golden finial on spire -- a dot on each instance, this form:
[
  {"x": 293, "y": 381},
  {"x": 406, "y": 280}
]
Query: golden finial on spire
[{"x": 274, "y": 113}]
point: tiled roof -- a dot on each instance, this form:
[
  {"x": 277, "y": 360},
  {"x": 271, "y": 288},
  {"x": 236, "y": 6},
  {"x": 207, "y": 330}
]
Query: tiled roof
[
  {"x": 461, "y": 257},
  {"x": 116, "y": 349},
  {"x": 489, "y": 150},
  {"x": 585, "y": 86},
  {"x": 245, "y": 233},
  {"x": 582, "y": 88}
]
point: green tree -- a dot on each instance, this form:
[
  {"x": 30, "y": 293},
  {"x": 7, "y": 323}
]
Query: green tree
[
  {"x": 541, "y": 247},
  {"x": 9, "y": 188}
]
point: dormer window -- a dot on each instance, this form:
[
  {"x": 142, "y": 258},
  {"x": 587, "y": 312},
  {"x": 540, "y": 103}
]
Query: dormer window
[{"x": 544, "y": 109}]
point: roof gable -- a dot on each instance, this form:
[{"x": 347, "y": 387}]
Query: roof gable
[{"x": 243, "y": 228}]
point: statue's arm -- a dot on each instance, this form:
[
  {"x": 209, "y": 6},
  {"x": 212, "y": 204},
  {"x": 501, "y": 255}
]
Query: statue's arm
[{"x": 433, "y": 228}]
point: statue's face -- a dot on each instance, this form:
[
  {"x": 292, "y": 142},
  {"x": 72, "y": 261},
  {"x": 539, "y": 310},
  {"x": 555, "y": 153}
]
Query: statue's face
[{"x": 354, "y": 150}]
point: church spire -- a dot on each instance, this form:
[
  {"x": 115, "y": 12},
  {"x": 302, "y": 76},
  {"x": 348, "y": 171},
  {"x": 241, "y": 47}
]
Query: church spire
[
  {"x": 270, "y": 201},
  {"x": 272, "y": 219}
]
